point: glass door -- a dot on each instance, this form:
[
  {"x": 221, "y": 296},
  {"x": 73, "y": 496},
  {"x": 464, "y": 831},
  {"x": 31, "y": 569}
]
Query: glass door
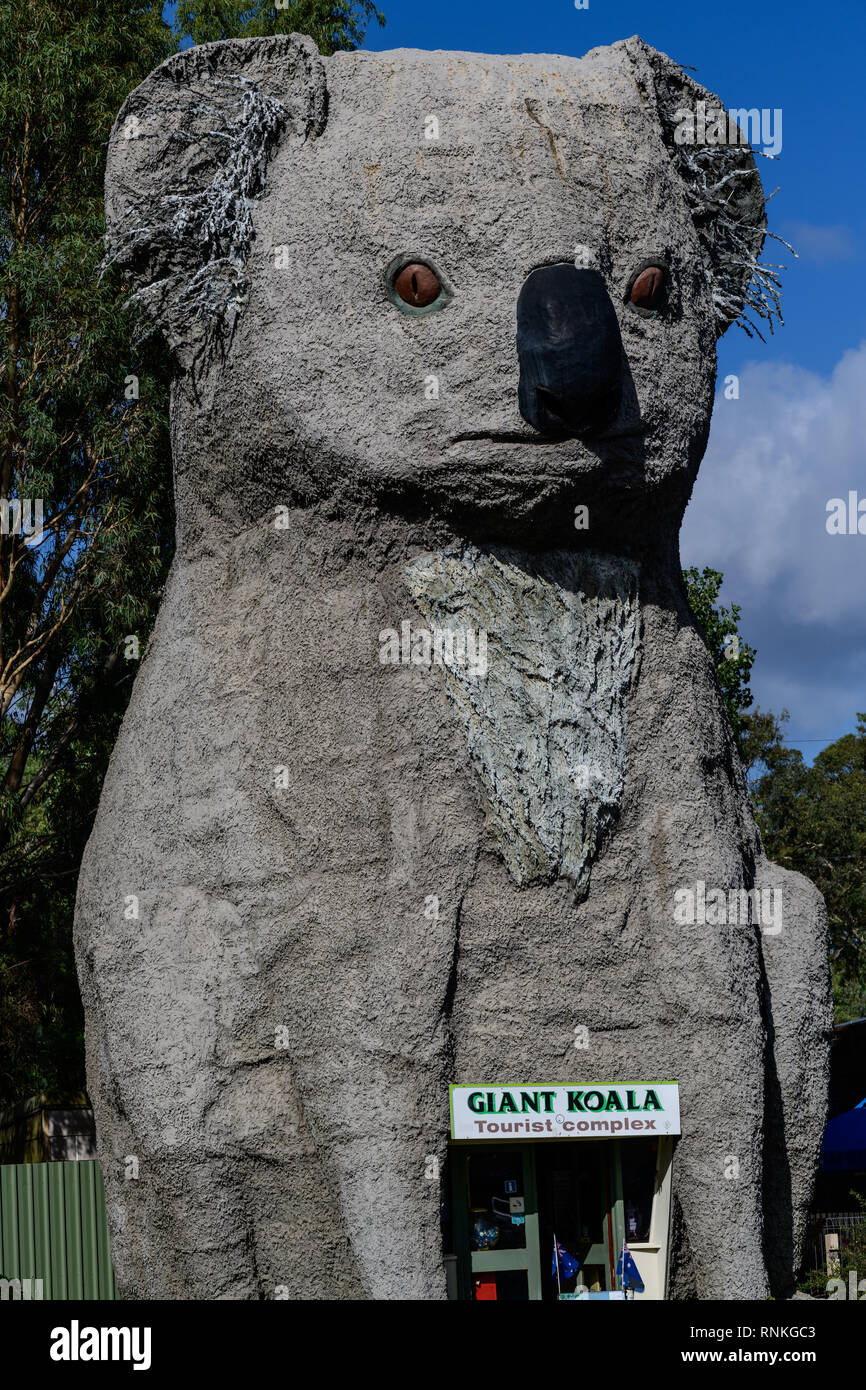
[
  {"x": 510, "y": 1200},
  {"x": 496, "y": 1222},
  {"x": 580, "y": 1204}
]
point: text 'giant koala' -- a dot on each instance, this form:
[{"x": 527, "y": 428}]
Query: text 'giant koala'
[{"x": 403, "y": 366}]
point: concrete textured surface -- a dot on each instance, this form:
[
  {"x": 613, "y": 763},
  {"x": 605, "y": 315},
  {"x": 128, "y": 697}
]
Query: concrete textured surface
[{"x": 323, "y": 884}]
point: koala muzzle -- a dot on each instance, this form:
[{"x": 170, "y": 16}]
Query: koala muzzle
[{"x": 570, "y": 351}]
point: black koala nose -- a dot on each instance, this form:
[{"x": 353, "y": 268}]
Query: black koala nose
[{"x": 570, "y": 351}]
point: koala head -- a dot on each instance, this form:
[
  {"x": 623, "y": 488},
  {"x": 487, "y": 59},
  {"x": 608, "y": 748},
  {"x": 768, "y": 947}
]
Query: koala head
[{"x": 478, "y": 288}]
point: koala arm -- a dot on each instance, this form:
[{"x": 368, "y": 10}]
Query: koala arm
[{"x": 799, "y": 1018}]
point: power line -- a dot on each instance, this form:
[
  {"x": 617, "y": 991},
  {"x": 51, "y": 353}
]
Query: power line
[{"x": 787, "y": 738}]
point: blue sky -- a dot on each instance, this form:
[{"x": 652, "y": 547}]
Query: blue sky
[{"x": 796, "y": 436}]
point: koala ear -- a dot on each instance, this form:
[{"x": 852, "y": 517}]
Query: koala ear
[
  {"x": 722, "y": 188},
  {"x": 187, "y": 161}
]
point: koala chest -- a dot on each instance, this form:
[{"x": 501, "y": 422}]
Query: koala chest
[{"x": 537, "y": 654}]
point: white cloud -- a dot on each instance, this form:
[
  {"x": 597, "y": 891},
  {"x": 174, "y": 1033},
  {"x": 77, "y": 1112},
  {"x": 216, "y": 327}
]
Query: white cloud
[
  {"x": 822, "y": 245},
  {"x": 776, "y": 456}
]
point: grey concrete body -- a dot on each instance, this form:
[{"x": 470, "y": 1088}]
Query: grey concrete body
[{"x": 272, "y": 1035}]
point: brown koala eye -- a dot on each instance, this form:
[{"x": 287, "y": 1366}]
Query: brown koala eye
[
  {"x": 648, "y": 288},
  {"x": 417, "y": 285}
]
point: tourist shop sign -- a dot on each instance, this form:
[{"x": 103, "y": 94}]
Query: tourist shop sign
[{"x": 593, "y": 1111}]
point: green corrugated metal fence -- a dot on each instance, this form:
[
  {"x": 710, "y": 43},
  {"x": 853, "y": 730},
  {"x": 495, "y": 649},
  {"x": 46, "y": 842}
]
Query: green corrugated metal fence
[{"x": 53, "y": 1227}]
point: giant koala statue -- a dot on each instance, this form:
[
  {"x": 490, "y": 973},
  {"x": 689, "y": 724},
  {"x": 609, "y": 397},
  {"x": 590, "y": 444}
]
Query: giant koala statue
[{"x": 444, "y": 331}]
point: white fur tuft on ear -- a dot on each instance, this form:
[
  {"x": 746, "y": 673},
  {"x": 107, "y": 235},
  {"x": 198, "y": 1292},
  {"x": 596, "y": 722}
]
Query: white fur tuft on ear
[
  {"x": 187, "y": 163},
  {"x": 723, "y": 191}
]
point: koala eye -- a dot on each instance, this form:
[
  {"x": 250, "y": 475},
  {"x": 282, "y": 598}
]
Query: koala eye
[
  {"x": 417, "y": 285},
  {"x": 647, "y": 289}
]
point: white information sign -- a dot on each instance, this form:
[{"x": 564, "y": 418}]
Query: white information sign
[{"x": 595, "y": 1110}]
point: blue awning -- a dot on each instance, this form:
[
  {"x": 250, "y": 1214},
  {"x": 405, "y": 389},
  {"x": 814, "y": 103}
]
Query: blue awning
[{"x": 844, "y": 1146}]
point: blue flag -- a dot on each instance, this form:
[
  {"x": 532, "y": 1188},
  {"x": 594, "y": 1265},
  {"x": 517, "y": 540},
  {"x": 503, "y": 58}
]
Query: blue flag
[
  {"x": 627, "y": 1271},
  {"x": 568, "y": 1265}
]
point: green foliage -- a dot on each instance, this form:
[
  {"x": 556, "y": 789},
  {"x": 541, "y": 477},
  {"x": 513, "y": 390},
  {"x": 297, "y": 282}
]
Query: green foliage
[
  {"x": 732, "y": 657},
  {"x": 851, "y": 1260},
  {"x": 762, "y": 746},
  {"x": 813, "y": 819},
  {"x": 332, "y": 24},
  {"x": 99, "y": 463}
]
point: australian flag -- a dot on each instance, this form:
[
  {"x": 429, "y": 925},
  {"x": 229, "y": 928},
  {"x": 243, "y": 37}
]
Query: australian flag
[
  {"x": 568, "y": 1265},
  {"x": 627, "y": 1271}
]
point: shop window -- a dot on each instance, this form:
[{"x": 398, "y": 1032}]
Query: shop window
[
  {"x": 497, "y": 1218},
  {"x": 638, "y": 1162},
  {"x": 508, "y": 1202}
]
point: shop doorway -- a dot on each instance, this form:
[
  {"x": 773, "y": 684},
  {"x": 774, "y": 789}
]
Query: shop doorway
[{"x": 509, "y": 1200}]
